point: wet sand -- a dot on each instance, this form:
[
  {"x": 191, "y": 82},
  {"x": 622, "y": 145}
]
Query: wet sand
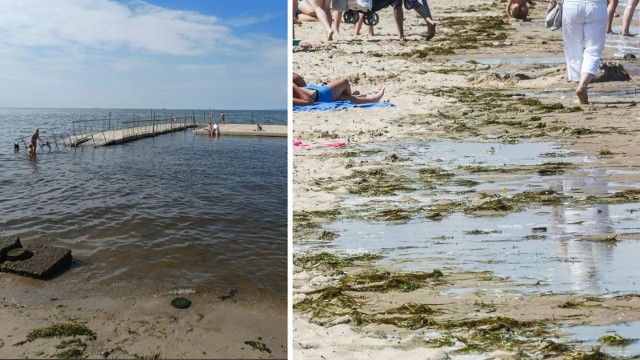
[
  {"x": 132, "y": 327},
  {"x": 480, "y": 79}
]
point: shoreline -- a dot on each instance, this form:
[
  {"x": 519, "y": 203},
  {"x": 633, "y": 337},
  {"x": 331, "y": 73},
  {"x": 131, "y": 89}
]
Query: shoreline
[{"x": 452, "y": 88}]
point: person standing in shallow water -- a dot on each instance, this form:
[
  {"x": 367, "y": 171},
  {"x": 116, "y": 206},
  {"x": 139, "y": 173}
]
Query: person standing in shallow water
[
  {"x": 584, "y": 24},
  {"x": 34, "y": 139}
]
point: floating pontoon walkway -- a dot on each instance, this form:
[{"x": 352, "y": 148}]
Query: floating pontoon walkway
[
  {"x": 121, "y": 136},
  {"x": 247, "y": 130}
]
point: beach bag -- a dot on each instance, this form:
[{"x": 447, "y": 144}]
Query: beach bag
[
  {"x": 344, "y": 5},
  {"x": 554, "y": 17},
  {"x": 363, "y": 5}
]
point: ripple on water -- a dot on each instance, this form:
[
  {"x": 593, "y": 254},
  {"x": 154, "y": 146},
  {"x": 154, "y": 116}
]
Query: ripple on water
[{"x": 154, "y": 215}]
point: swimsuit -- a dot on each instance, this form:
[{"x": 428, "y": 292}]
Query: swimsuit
[{"x": 323, "y": 93}]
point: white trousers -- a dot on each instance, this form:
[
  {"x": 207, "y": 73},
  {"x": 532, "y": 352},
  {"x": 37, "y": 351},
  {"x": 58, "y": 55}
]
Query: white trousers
[{"x": 584, "y": 24}]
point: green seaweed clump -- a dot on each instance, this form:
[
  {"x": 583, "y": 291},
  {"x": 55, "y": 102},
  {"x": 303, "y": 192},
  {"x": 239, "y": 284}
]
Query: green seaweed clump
[
  {"x": 331, "y": 260},
  {"x": 571, "y": 305},
  {"x": 488, "y": 334},
  {"x": 72, "y": 348},
  {"x": 614, "y": 339},
  {"x": 387, "y": 282},
  {"x": 595, "y": 354},
  {"x": 61, "y": 330},
  {"x": 496, "y": 204},
  {"x": 378, "y": 183},
  {"x": 258, "y": 345},
  {"x": 392, "y": 214}
]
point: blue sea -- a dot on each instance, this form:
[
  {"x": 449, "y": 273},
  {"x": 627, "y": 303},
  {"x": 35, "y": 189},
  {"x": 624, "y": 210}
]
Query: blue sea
[{"x": 170, "y": 213}]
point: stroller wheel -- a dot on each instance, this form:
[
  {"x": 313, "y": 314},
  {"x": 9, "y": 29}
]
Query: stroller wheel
[
  {"x": 371, "y": 19},
  {"x": 350, "y": 17}
]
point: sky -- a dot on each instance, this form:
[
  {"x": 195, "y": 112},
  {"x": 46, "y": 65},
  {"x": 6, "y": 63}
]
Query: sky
[{"x": 151, "y": 54}]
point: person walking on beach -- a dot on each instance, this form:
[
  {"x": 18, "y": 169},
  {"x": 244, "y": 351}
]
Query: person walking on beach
[
  {"x": 584, "y": 24},
  {"x": 34, "y": 139},
  {"x": 322, "y": 10},
  {"x": 421, "y": 9}
]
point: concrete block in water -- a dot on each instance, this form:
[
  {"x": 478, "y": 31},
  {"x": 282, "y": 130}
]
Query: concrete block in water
[
  {"x": 7, "y": 243},
  {"x": 45, "y": 262}
]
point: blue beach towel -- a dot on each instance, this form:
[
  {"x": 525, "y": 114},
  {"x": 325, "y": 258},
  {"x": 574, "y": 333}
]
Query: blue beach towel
[{"x": 339, "y": 105}]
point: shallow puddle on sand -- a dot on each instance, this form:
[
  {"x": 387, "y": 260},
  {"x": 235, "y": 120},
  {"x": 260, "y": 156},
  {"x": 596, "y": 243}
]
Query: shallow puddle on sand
[
  {"x": 588, "y": 336},
  {"x": 450, "y": 153},
  {"x": 553, "y": 260},
  {"x": 542, "y": 247}
]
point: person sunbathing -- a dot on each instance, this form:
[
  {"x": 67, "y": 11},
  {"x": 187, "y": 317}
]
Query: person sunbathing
[{"x": 338, "y": 90}]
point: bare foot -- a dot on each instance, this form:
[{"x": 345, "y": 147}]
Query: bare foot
[
  {"x": 583, "y": 97},
  {"x": 377, "y": 96},
  {"x": 611, "y": 32},
  {"x": 401, "y": 39},
  {"x": 431, "y": 32},
  {"x": 330, "y": 35},
  {"x": 628, "y": 34}
]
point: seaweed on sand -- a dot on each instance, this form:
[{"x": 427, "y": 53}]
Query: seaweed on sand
[
  {"x": 378, "y": 182},
  {"x": 332, "y": 260},
  {"x": 491, "y": 333},
  {"x": 517, "y": 202},
  {"x": 388, "y": 282},
  {"x": 71, "y": 348},
  {"x": 308, "y": 223},
  {"x": 392, "y": 214}
]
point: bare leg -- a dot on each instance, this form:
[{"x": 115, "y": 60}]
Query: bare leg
[
  {"x": 628, "y": 16},
  {"x": 363, "y": 99},
  {"x": 341, "y": 91},
  {"x": 295, "y": 13},
  {"x": 358, "y": 25},
  {"x": 581, "y": 90},
  {"x": 431, "y": 25},
  {"x": 337, "y": 20},
  {"x": 340, "y": 87},
  {"x": 322, "y": 12},
  {"x": 611, "y": 11},
  {"x": 398, "y": 15}
]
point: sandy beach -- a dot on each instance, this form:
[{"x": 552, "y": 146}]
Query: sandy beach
[
  {"x": 480, "y": 79},
  {"x": 41, "y": 322}
]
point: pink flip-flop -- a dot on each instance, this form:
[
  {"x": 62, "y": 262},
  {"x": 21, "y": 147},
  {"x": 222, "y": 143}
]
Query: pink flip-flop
[
  {"x": 336, "y": 145},
  {"x": 300, "y": 143}
]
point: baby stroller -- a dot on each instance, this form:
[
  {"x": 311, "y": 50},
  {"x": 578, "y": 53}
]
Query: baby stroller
[{"x": 353, "y": 8}]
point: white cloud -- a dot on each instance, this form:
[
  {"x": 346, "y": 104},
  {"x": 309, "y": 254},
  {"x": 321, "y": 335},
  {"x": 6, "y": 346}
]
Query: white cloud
[
  {"x": 131, "y": 54},
  {"x": 108, "y": 25}
]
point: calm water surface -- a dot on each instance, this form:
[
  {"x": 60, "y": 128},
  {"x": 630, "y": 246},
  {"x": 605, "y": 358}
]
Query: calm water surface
[{"x": 172, "y": 212}]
